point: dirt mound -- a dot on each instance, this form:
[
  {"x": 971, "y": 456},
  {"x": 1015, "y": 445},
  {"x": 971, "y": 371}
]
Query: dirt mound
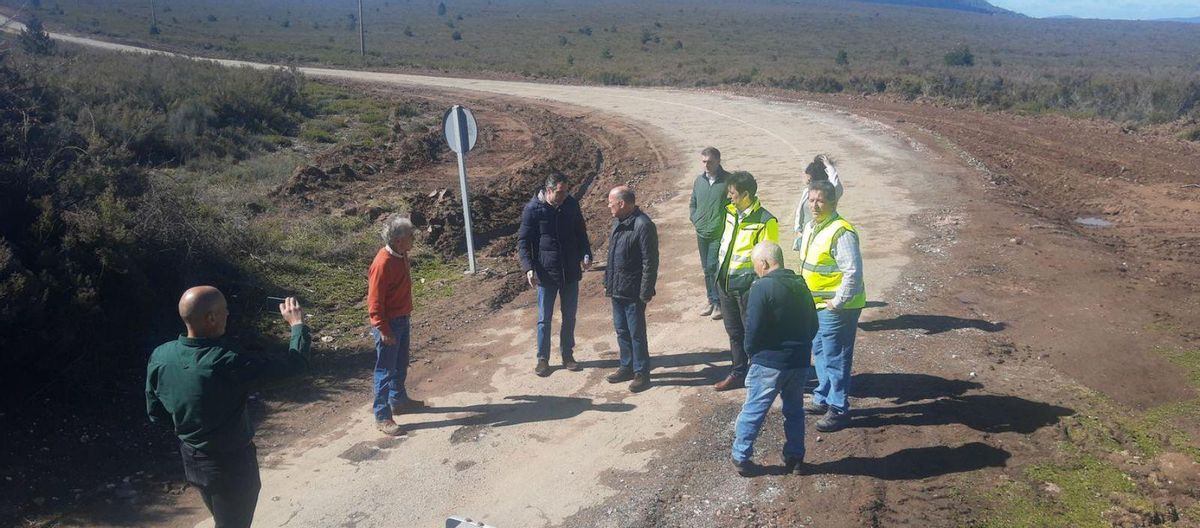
[{"x": 309, "y": 179}]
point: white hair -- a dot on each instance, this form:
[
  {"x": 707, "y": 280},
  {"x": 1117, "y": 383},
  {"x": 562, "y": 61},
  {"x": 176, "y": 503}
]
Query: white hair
[
  {"x": 397, "y": 226},
  {"x": 768, "y": 251}
]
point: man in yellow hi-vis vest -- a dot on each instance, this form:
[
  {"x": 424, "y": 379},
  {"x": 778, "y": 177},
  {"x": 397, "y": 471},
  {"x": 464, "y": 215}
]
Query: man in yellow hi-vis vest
[
  {"x": 746, "y": 224},
  {"x": 831, "y": 264}
]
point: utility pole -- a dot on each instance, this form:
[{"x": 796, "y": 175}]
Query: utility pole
[
  {"x": 362, "y": 39},
  {"x": 153, "y": 15}
]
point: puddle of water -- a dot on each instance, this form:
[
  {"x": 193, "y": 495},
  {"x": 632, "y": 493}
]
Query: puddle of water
[{"x": 1091, "y": 221}]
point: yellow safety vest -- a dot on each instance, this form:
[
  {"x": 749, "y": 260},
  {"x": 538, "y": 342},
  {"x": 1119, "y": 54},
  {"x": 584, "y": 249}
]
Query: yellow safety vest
[
  {"x": 819, "y": 268},
  {"x": 738, "y": 241}
]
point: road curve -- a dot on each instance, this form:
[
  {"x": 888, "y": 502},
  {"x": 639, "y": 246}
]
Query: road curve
[{"x": 521, "y": 451}]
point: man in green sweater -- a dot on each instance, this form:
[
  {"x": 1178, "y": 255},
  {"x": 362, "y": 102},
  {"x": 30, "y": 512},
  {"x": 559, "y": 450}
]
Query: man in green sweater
[
  {"x": 199, "y": 386},
  {"x": 709, "y": 198}
]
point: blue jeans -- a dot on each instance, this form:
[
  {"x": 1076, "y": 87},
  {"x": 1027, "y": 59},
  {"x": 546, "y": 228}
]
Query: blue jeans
[
  {"x": 762, "y": 385},
  {"x": 570, "y": 303},
  {"x": 709, "y": 247},
  {"x": 833, "y": 357},
  {"x": 391, "y": 368},
  {"x": 629, "y": 319}
]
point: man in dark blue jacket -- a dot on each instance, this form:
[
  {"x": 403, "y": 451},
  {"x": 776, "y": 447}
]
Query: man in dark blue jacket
[
  {"x": 552, "y": 244},
  {"x": 629, "y": 280},
  {"x": 781, "y": 321}
]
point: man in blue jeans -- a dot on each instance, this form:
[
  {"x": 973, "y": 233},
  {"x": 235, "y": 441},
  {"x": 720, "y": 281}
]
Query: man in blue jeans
[
  {"x": 832, "y": 268},
  {"x": 389, "y": 305},
  {"x": 780, "y": 324},
  {"x": 552, "y": 243},
  {"x": 629, "y": 280}
]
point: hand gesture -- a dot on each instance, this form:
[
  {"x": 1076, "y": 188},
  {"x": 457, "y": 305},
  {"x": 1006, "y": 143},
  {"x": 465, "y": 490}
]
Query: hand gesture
[
  {"x": 388, "y": 339},
  {"x": 587, "y": 262},
  {"x": 291, "y": 311}
]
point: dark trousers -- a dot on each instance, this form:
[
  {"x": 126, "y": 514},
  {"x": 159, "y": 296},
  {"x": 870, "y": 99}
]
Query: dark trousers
[
  {"x": 228, "y": 483},
  {"x": 733, "y": 308},
  {"x": 709, "y": 248},
  {"x": 629, "y": 320}
]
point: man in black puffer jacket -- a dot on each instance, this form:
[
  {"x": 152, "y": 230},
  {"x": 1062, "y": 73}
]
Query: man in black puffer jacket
[
  {"x": 552, "y": 243},
  {"x": 629, "y": 279}
]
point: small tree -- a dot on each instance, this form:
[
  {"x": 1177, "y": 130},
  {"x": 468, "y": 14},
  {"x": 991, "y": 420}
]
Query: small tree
[
  {"x": 842, "y": 58},
  {"x": 606, "y": 54},
  {"x": 457, "y": 35},
  {"x": 960, "y": 57},
  {"x": 441, "y": 9},
  {"x": 34, "y": 40}
]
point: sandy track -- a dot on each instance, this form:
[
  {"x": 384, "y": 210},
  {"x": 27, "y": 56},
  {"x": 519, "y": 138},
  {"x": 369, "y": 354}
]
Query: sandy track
[{"x": 520, "y": 451}]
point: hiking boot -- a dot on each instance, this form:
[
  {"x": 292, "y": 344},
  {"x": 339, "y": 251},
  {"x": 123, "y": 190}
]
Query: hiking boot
[
  {"x": 708, "y": 310},
  {"x": 732, "y": 382},
  {"x": 816, "y": 408},
  {"x": 543, "y": 368},
  {"x": 570, "y": 364},
  {"x": 833, "y": 421},
  {"x": 641, "y": 382},
  {"x": 389, "y": 427},
  {"x": 716, "y": 313},
  {"x": 794, "y": 465},
  {"x": 745, "y": 468},
  {"x": 622, "y": 374},
  {"x": 408, "y": 405}
]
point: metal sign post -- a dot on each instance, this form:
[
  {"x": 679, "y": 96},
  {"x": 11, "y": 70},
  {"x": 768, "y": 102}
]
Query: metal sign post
[{"x": 461, "y": 132}]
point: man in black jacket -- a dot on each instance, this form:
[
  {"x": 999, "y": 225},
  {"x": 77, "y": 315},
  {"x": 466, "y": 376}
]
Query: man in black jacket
[
  {"x": 781, "y": 321},
  {"x": 552, "y": 243},
  {"x": 629, "y": 279}
]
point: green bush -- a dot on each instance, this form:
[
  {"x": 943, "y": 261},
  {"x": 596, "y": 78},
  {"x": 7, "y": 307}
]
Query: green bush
[{"x": 960, "y": 56}]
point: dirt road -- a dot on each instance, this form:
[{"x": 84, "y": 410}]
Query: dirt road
[{"x": 515, "y": 450}]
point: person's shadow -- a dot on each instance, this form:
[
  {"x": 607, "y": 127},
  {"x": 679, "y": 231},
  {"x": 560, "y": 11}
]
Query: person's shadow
[
  {"x": 931, "y": 324},
  {"x": 906, "y": 464},
  {"x": 523, "y": 409},
  {"x": 907, "y": 387}
]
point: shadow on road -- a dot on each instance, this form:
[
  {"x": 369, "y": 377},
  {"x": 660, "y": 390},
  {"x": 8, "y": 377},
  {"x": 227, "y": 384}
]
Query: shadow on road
[
  {"x": 982, "y": 412},
  {"x": 918, "y": 462},
  {"x": 522, "y": 409},
  {"x": 905, "y": 387},
  {"x": 931, "y": 324},
  {"x": 705, "y": 356}
]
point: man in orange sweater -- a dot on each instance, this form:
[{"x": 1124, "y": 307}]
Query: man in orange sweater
[{"x": 389, "y": 303}]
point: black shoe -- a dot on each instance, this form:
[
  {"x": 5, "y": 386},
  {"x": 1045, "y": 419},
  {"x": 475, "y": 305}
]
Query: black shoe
[
  {"x": 793, "y": 465},
  {"x": 622, "y": 374},
  {"x": 833, "y": 421},
  {"x": 570, "y": 364},
  {"x": 816, "y": 408},
  {"x": 543, "y": 368},
  {"x": 745, "y": 469},
  {"x": 716, "y": 313},
  {"x": 708, "y": 310},
  {"x": 641, "y": 382}
]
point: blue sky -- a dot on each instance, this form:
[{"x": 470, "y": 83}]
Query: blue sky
[{"x": 1122, "y": 9}]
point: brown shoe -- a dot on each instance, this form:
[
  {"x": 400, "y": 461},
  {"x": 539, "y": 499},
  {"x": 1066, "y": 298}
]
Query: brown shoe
[
  {"x": 542, "y": 369},
  {"x": 570, "y": 364},
  {"x": 708, "y": 310},
  {"x": 389, "y": 427},
  {"x": 619, "y": 375},
  {"x": 641, "y": 382},
  {"x": 716, "y": 313},
  {"x": 732, "y": 382}
]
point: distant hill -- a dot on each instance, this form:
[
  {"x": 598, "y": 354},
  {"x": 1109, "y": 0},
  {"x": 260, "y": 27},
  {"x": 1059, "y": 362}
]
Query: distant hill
[
  {"x": 973, "y": 6},
  {"x": 1063, "y": 17},
  {"x": 1192, "y": 20}
]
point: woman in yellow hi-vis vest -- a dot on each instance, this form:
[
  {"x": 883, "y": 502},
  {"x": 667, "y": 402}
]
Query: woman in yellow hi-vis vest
[
  {"x": 831, "y": 264},
  {"x": 746, "y": 224}
]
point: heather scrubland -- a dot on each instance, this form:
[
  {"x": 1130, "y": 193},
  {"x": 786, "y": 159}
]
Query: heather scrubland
[{"x": 1137, "y": 72}]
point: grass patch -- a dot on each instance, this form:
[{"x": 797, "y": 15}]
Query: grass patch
[{"x": 1076, "y": 492}]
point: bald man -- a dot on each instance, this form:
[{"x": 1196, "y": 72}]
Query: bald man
[
  {"x": 629, "y": 279},
  {"x": 780, "y": 324},
  {"x": 198, "y": 385}
]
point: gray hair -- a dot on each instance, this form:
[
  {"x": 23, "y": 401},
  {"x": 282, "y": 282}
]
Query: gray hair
[
  {"x": 768, "y": 251},
  {"x": 825, "y": 188},
  {"x": 397, "y": 226},
  {"x": 625, "y": 194}
]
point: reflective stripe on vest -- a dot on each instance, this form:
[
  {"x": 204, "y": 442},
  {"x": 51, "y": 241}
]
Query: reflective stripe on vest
[
  {"x": 738, "y": 241},
  {"x": 819, "y": 268}
]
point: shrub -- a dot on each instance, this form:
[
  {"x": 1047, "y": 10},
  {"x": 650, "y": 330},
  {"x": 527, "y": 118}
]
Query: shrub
[
  {"x": 457, "y": 35},
  {"x": 960, "y": 56},
  {"x": 34, "y": 39},
  {"x": 842, "y": 58}
]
